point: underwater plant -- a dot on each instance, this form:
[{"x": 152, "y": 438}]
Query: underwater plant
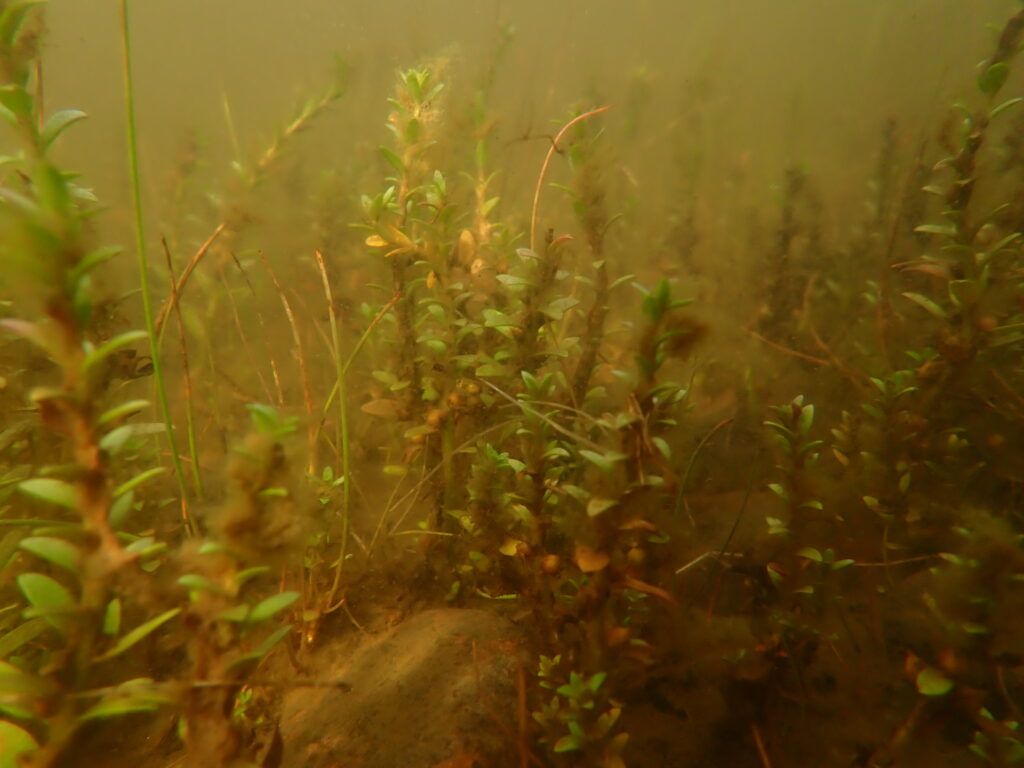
[{"x": 774, "y": 523}]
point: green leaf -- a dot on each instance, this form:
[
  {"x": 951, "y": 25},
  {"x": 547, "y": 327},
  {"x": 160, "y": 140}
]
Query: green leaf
[
  {"x": 436, "y": 345},
  {"x": 496, "y": 319},
  {"x": 269, "y": 421},
  {"x": 514, "y": 282},
  {"x": 251, "y": 573},
  {"x": 249, "y": 660},
  {"x": 1005, "y": 106},
  {"x": 598, "y": 505},
  {"x": 121, "y": 411},
  {"x": 568, "y": 743},
  {"x": 1006, "y": 241},
  {"x": 22, "y": 634},
  {"x": 8, "y": 546},
  {"x": 20, "y": 691},
  {"x": 393, "y": 159},
  {"x": 556, "y": 309},
  {"x": 19, "y": 202},
  {"x": 945, "y": 230},
  {"x": 90, "y": 261},
  {"x": 662, "y": 445},
  {"x": 783, "y": 431},
  {"x": 49, "y": 594},
  {"x": 931, "y": 682},
  {"x": 267, "y": 608},
  {"x": 10, "y": 23},
  {"x": 810, "y": 553},
  {"x": 811, "y": 446},
  {"x": 57, "y": 123},
  {"x": 14, "y": 741},
  {"x": 138, "y": 480},
  {"x": 196, "y": 582},
  {"x": 112, "y": 618},
  {"x": 806, "y": 419},
  {"x": 138, "y": 634},
  {"x": 973, "y": 628},
  {"x": 117, "y": 438},
  {"x": 57, "y": 551},
  {"x": 494, "y": 369},
  {"x": 48, "y": 489},
  {"x": 993, "y": 77},
  {"x": 621, "y": 281},
  {"x": 52, "y": 189},
  {"x": 17, "y": 102},
  {"x": 43, "y": 336},
  {"x": 873, "y": 504},
  {"x": 605, "y": 461},
  {"x": 237, "y": 614},
  {"x": 104, "y": 351},
  {"x": 272, "y": 639},
  {"x": 138, "y": 695},
  {"x": 433, "y": 92},
  {"x": 146, "y": 547},
  {"x": 120, "y": 509},
  {"x": 412, "y": 131},
  {"x": 927, "y": 304}
]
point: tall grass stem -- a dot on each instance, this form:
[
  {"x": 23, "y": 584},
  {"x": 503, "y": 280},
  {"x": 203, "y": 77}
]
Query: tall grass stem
[
  {"x": 346, "y": 472},
  {"x": 140, "y": 247}
]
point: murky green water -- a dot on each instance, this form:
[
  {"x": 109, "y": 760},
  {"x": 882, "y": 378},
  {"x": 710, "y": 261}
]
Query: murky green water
[{"x": 566, "y": 384}]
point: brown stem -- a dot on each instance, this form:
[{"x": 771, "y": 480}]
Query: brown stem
[{"x": 544, "y": 169}]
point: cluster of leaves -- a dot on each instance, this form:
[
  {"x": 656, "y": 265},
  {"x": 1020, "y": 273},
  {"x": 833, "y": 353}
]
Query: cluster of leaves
[
  {"x": 85, "y": 582},
  {"x": 579, "y": 706},
  {"x": 917, "y": 521},
  {"x": 490, "y": 371}
]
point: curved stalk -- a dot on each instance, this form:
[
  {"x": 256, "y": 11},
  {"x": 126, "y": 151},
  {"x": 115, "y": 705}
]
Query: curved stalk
[{"x": 544, "y": 169}]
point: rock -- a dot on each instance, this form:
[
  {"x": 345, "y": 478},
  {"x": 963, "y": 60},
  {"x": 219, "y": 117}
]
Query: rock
[{"x": 437, "y": 691}]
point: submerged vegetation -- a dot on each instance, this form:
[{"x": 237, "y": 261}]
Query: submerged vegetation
[{"x": 805, "y": 548}]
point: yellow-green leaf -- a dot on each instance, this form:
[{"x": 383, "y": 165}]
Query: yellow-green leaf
[
  {"x": 267, "y": 608},
  {"x": 106, "y": 350},
  {"x": 138, "y": 634},
  {"x": 57, "y": 551},
  {"x": 931, "y": 682},
  {"x": 49, "y": 594},
  {"x": 49, "y": 489},
  {"x": 138, "y": 480},
  {"x": 14, "y": 741},
  {"x": 21, "y": 634}
]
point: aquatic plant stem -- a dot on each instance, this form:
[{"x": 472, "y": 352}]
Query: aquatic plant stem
[
  {"x": 681, "y": 495},
  {"x": 309, "y": 111},
  {"x": 346, "y": 474},
  {"x": 352, "y": 355},
  {"x": 307, "y": 392},
  {"x": 140, "y": 247},
  {"x": 185, "y": 274},
  {"x": 190, "y": 425},
  {"x": 278, "y": 390},
  {"x": 547, "y": 162}
]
